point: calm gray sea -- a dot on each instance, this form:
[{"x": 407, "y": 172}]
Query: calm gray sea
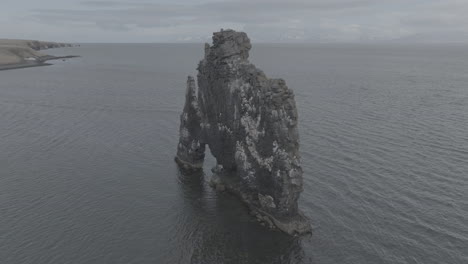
[{"x": 87, "y": 146}]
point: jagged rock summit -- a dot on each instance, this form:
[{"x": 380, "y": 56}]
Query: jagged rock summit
[{"x": 249, "y": 123}]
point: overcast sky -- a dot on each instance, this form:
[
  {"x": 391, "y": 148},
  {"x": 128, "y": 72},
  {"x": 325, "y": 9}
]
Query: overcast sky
[{"x": 263, "y": 20}]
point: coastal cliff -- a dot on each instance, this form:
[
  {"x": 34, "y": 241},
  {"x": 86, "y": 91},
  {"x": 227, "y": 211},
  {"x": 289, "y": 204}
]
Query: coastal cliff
[
  {"x": 33, "y": 44},
  {"x": 249, "y": 123},
  {"x": 25, "y": 53}
]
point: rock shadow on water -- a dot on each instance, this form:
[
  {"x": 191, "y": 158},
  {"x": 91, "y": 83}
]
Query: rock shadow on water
[{"x": 219, "y": 229}]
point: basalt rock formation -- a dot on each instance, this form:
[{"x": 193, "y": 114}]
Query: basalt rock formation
[{"x": 249, "y": 123}]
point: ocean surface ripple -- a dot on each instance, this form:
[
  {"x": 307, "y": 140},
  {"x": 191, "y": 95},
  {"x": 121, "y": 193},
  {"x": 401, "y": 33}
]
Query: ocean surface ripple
[{"x": 87, "y": 172}]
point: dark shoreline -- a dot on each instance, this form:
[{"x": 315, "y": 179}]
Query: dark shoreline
[
  {"x": 29, "y": 64},
  {"x": 22, "y": 65}
]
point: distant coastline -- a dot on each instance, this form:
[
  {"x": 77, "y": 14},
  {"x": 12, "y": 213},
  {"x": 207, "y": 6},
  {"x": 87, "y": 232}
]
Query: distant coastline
[{"x": 18, "y": 54}]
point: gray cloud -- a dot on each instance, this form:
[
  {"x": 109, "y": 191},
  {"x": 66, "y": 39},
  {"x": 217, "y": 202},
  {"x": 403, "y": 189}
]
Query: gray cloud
[
  {"x": 98, "y": 3},
  {"x": 265, "y": 20},
  {"x": 448, "y": 14},
  {"x": 438, "y": 21},
  {"x": 129, "y": 15},
  {"x": 259, "y": 11}
]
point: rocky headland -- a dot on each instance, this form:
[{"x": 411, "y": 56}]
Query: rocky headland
[
  {"x": 16, "y": 54},
  {"x": 250, "y": 124}
]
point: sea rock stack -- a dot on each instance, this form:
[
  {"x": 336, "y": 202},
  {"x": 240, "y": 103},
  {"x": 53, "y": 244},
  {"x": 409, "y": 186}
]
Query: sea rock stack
[{"x": 249, "y": 123}]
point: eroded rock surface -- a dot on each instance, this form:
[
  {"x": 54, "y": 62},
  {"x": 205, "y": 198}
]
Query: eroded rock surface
[{"x": 250, "y": 125}]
